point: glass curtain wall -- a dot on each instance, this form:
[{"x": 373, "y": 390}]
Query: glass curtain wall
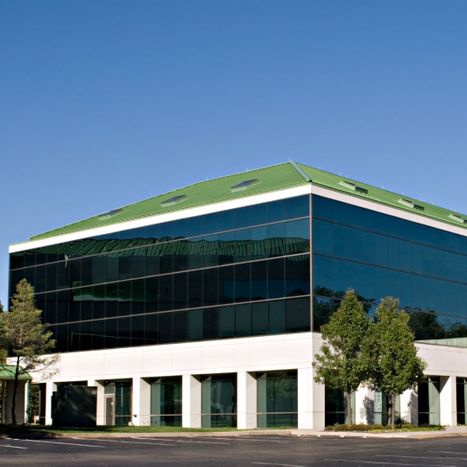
[
  {"x": 381, "y": 409},
  {"x": 117, "y": 396},
  {"x": 236, "y": 273},
  {"x": 461, "y": 393},
  {"x": 334, "y": 406},
  {"x": 166, "y": 401},
  {"x": 277, "y": 399},
  {"x": 379, "y": 255},
  {"x": 219, "y": 401},
  {"x": 428, "y": 401}
]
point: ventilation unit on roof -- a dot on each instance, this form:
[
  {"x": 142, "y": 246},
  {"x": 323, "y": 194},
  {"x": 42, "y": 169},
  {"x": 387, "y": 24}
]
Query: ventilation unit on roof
[
  {"x": 353, "y": 186},
  {"x": 173, "y": 200},
  {"x": 410, "y": 204},
  {"x": 244, "y": 185},
  {"x": 457, "y": 218},
  {"x": 109, "y": 214}
]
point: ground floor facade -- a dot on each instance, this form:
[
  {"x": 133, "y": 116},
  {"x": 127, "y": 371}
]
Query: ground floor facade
[{"x": 255, "y": 382}]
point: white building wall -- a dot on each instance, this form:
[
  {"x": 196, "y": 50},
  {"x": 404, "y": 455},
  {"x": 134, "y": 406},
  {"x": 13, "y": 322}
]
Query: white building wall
[{"x": 243, "y": 356}]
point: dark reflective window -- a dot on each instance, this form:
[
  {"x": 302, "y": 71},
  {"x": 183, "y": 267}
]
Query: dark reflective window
[
  {"x": 208, "y": 277},
  {"x": 378, "y": 256}
]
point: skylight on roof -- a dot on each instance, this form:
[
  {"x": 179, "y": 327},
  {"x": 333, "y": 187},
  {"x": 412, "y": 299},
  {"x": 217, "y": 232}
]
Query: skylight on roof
[
  {"x": 410, "y": 204},
  {"x": 173, "y": 200},
  {"x": 244, "y": 185},
  {"x": 109, "y": 214},
  {"x": 353, "y": 186},
  {"x": 457, "y": 218}
]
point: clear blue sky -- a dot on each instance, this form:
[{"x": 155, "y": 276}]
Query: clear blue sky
[{"x": 103, "y": 103}]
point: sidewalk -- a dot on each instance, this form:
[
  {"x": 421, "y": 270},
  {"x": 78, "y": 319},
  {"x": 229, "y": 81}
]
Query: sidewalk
[{"x": 448, "y": 432}]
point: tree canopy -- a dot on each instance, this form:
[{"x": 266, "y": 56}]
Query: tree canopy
[
  {"x": 343, "y": 361},
  {"x": 395, "y": 365},
  {"x": 380, "y": 354},
  {"x": 27, "y": 340}
]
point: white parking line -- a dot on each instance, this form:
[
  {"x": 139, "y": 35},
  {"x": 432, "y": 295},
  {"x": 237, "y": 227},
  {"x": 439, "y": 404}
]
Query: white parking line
[
  {"x": 200, "y": 442},
  {"x": 275, "y": 463},
  {"x": 448, "y": 452},
  {"x": 421, "y": 457},
  {"x": 12, "y": 447},
  {"x": 259, "y": 440},
  {"x": 359, "y": 461},
  {"x": 56, "y": 442},
  {"x": 133, "y": 442}
]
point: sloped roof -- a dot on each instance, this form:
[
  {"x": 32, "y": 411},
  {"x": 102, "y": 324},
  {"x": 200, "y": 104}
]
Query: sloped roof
[
  {"x": 268, "y": 179},
  {"x": 254, "y": 182}
]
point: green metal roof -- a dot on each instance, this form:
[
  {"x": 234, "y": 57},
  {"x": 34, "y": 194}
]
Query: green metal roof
[
  {"x": 254, "y": 182},
  {"x": 7, "y": 373}
]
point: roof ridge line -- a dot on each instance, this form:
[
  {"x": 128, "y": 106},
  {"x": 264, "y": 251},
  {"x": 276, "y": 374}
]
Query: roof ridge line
[{"x": 306, "y": 177}]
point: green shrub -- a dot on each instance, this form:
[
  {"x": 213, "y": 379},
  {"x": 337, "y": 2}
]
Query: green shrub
[{"x": 382, "y": 428}]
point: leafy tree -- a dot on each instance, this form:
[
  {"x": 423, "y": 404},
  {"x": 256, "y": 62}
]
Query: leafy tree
[
  {"x": 27, "y": 339},
  {"x": 3, "y": 347},
  {"x": 343, "y": 361},
  {"x": 395, "y": 366}
]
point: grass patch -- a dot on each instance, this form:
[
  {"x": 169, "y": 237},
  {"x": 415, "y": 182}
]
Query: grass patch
[{"x": 376, "y": 428}]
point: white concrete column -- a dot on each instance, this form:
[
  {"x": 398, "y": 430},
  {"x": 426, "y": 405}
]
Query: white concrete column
[
  {"x": 50, "y": 387},
  {"x": 141, "y": 402},
  {"x": 100, "y": 401},
  {"x": 191, "y": 402},
  {"x": 246, "y": 400},
  {"x": 310, "y": 400},
  {"x": 447, "y": 401},
  {"x": 364, "y": 405},
  {"x": 409, "y": 407},
  {"x": 26, "y": 402}
]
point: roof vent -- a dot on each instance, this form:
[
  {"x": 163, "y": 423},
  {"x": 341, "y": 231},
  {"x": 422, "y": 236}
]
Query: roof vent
[
  {"x": 244, "y": 185},
  {"x": 109, "y": 214},
  {"x": 173, "y": 200},
  {"x": 410, "y": 204},
  {"x": 353, "y": 186},
  {"x": 457, "y": 218}
]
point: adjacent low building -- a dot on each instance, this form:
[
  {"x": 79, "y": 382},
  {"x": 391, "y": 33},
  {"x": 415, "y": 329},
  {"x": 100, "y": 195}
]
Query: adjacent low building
[{"x": 203, "y": 306}]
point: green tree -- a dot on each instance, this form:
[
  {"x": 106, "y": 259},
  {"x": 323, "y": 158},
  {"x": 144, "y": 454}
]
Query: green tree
[
  {"x": 343, "y": 361},
  {"x": 3, "y": 346},
  {"x": 395, "y": 366},
  {"x": 27, "y": 339}
]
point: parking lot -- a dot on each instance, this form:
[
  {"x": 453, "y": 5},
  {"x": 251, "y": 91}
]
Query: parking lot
[{"x": 280, "y": 450}]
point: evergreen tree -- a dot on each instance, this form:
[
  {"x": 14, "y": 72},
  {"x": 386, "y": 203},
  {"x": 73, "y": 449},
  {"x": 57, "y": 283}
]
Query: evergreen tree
[
  {"x": 395, "y": 366},
  {"x": 27, "y": 339},
  {"x": 343, "y": 361}
]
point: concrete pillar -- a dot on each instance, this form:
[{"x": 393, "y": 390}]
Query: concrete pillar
[
  {"x": 26, "y": 402},
  {"x": 447, "y": 401},
  {"x": 364, "y": 405},
  {"x": 19, "y": 402},
  {"x": 310, "y": 400},
  {"x": 141, "y": 402},
  {"x": 50, "y": 387},
  {"x": 191, "y": 402},
  {"x": 409, "y": 407},
  {"x": 100, "y": 401},
  {"x": 246, "y": 400}
]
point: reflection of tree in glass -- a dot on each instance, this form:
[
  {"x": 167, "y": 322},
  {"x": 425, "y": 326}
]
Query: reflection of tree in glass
[
  {"x": 327, "y": 301},
  {"x": 457, "y": 330},
  {"x": 424, "y": 323}
]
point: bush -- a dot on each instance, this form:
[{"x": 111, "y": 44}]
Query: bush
[{"x": 378, "y": 427}]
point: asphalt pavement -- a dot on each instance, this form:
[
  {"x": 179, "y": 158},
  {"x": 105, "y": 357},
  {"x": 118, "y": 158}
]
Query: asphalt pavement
[{"x": 226, "y": 451}]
